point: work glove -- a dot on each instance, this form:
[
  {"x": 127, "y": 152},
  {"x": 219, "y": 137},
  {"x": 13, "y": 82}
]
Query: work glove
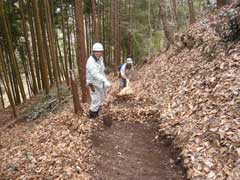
[
  {"x": 107, "y": 84},
  {"x": 91, "y": 86}
]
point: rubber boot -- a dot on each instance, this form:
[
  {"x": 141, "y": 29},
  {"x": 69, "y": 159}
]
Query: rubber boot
[{"x": 92, "y": 114}]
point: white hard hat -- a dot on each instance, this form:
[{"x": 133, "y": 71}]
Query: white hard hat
[
  {"x": 129, "y": 60},
  {"x": 97, "y": 47}
]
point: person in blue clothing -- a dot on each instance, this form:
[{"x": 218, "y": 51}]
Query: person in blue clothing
[{"x": 124, "y": 70}]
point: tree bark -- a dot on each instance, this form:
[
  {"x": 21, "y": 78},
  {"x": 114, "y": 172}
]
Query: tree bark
[
  {"x": 95, "y": 20},
  {"x": 42, "y": 52},
  {"x": 11, "y": 52},
  {"x": 1, "y": 93},
  {"x": 34, "y": 46},
  {"x": 175, "y": 14},
  {"x": 163, "y": 17},
  {"x": 192, "y": 18},
  {"x": 69, "y": 46},
  {"x": 52, "y": 45},
  {"x": 81, "y": 55},
  {"x": 27, "y": 44},
  {"x": 7, "y": 83},
  {"x": 64, "y": 44},
  {"x": 46, "y": 40},
  {"x": 74, "y": 90},
  {"x": 116, "y": 34}
]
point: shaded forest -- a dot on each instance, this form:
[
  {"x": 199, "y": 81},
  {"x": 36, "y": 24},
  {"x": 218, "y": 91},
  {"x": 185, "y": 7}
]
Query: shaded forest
[
  {"x": 180, "y": 120},
  {"x": 44, "y": 42}
]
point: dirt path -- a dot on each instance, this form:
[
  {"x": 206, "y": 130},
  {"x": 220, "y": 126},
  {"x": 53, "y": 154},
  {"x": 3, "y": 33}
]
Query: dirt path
[{"x": 126, "y": 151}]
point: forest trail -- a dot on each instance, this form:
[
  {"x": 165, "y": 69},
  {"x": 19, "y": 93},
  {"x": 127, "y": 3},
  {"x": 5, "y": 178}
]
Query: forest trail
[{"x": 129, "y": 151}]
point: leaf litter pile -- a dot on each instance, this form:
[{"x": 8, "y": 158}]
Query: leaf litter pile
[
  {"x": 193, "y": 91},
  {"x": 56, "y": 147}
]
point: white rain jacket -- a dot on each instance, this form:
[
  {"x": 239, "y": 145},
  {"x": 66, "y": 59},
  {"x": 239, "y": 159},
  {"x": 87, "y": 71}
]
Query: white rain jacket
[
  {"x": 96, "y": 77},
  {"x": 95, "y": 72}
]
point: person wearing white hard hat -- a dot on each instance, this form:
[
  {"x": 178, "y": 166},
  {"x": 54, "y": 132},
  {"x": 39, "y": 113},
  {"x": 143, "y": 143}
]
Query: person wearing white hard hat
[
  {"x": 124, "y": 70},
  {"x": 96, "y": 79}
]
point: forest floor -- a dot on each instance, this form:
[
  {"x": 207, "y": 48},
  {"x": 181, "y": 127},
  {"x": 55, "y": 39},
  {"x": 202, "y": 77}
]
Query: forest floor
[
  {"x": 189, "y": 94},
  {"x": 128, "y": 151},
  {"x": 124, "y": 151}
]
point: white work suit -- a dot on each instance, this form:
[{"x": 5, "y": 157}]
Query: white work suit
[
  {"x": 96, "y": 76},
  {"x": 123, "y": 77}
]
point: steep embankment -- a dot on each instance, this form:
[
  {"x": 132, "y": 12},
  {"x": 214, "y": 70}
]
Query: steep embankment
[{"x": 196, "y": 90}]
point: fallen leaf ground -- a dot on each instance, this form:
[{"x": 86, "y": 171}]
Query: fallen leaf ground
[{"x": 68, "y": 146}]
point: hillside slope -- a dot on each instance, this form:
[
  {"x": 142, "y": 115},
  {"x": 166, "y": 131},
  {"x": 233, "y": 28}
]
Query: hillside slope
[{"x": 196, "y": 89}]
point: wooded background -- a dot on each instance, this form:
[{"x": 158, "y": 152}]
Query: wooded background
[{"x": 42, "y": 41}]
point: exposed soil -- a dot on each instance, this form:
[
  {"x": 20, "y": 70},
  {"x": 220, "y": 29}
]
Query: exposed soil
[{"x": 129, "y": 151}]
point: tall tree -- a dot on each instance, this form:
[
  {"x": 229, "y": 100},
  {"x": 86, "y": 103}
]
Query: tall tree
[
  {"x": 95, "y": 20},
  {"x": 130, "y": 37},
  {"x": 27, "y": 44},
  {"x": 34, "y": 43},
  {"x": 81, "y": 49},
  {"x": 175, "y": 13},
  {"x": 163, "y": 17},
  {"x": 116, "y": 31},
  {"x": 52, "y": 44},
  {"x": 42, "y": 52},
  {"x": 1, "y": 93},
  {"x": 3, "y": 72},
  {"x": 64, "y": 42},
  {"x": 192, "y": 18},
  {"x": 12, "y": 55}
]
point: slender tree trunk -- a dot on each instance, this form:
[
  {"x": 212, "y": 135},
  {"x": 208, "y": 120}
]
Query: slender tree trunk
[
  {"x": 1, "y": 93},
  {"x": 90, "y": 34},
  {"x": 69, "y": 47},
  {"x": 130, "y": 43},
  {"x": 11, "y": 52},
  {"x": 112, "y": 30},
  {"x": 26, "y": 70},
  {"x": 46, "y": 40},
  {"x": 35, "y": 52},
  {"x": 175, "y": 13},
  {"x": 81, "y": 55},
  {"x": 64, "y": 44},
  {"x": 74, "y": 39},
  {"x": 42, "y": 52},
  {"x": 12, "y": 77},
  {"x": 191, "y": 11},
  {"x": 118, "y": 31},
  {"x": 74, "y": 89},
  {"x": 27, "y": 43},
  {"x": 87, "y": 34},
  {"x": 7, "y": 86},
  {"x": 116, "y": 34},
  {"x": 13, "y": 82},
  {"x": 52, "y": 45},
  {"x": 96, "y": 32},
  {"x": 163, "y": 17},
  {"x": 62, "y": 69}
]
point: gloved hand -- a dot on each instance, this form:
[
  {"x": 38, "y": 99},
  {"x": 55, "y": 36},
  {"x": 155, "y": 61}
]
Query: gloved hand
[
  {"x": 91, "y": 86},
  {"x": 107, "y": 84}
]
